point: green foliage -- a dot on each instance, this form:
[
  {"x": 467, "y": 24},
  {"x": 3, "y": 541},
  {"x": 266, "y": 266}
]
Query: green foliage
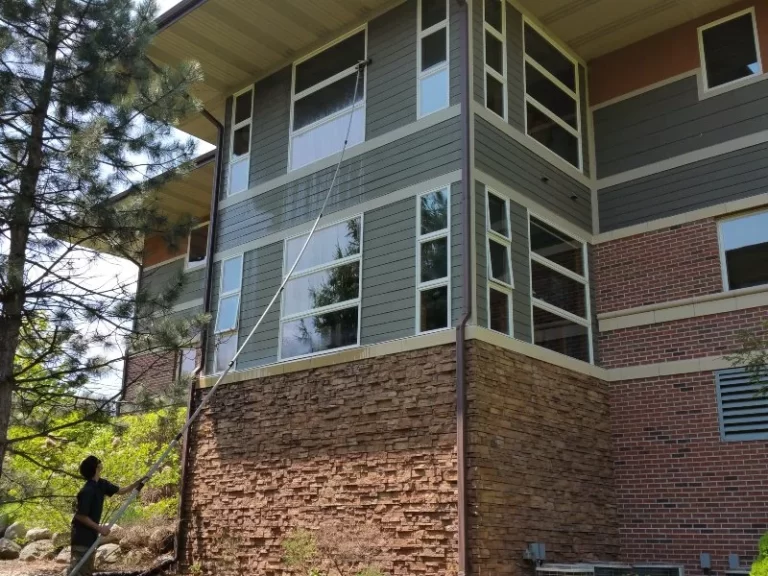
[
  {"x": 752, "y": 354},
  {"x": 300, "y": 549},
  {"x": 370, "y": 572},
  {"x": 760, "y": 565},
  {"x": 333, "y": 551}
]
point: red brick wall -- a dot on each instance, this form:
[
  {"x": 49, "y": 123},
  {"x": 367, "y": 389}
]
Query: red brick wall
[
  {"x": 670, "y": 264},
  {"x": 540, "y": 463},
  {"x": 372, "y": 441},
  {"x": 681, "y": 490},
  {"x": 149, "y": 374}
]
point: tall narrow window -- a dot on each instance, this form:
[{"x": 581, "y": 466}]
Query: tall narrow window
[
  {"x": 495, "y": 43},
  {"x": 744, "y": 251},
  {"x": 228, "y": 315},
  {"x": 433, "y": 261},
  {"x": 240, "y": 146},
  {"x": 729, "y": 50},
  {"x": 197, "y": 248},
  {"x": 321, "y": 301},
  {"x": 499, "y": 263},
  {"x": 433, "y": 56},
  {"x": 552, "y": 97},
  {"x": 187, "y": 361},
  {"x": 326, "y": 92},
  {"x": 560, "y": 291}
]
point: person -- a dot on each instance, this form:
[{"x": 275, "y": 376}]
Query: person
[{"x": 86, "y": 524}]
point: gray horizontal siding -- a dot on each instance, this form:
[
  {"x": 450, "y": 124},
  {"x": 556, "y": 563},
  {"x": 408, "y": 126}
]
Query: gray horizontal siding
[
  {"x": 271, "y": 124},
  {"x": 525, "y": 172},
  {"x": 162, "y": 278},
  {"x": 728, "y": 177},
  {"x": 671, "y": 120},
  {"x": 480, "y": 253},
  {"x": 457, "y": 278},
  {"x": 521, "y": 296},
  {"x": 515, "y": 82},
  {"x": 389, "y": 273},
  {"x": 402, "y": 163}
]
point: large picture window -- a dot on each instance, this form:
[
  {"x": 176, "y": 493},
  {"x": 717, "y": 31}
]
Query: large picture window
[
  {"x": 321, "y": 302},
  {"x": 499, "y": 263},
  {"x": 560, "y": 291},
  {"x": 433, "y": 256},
  {"x": 433, "y": 56},
  {"x": 240, "y": 145},
  {"x": 324, "y": 87},
  {"x": 729, "y": 50},
  {"x": 495, "y": 50},
  {"x": 552, "y": 97},
  {"x": 228, "y": 312},
  {"x": 744, "y": 251}
]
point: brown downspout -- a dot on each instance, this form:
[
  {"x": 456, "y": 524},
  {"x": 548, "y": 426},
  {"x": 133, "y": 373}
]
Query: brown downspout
[{"x": 466, "y": 207}]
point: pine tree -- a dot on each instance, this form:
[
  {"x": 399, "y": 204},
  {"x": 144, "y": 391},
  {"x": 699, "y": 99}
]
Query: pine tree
[{"x": 83, "y": 115}]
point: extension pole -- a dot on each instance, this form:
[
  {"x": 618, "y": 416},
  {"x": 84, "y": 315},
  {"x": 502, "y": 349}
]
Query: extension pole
[{"x": 207, "y": 398}]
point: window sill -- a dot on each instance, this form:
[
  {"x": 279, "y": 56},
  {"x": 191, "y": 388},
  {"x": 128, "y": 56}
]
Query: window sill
[{"x": 705, "y": 93}]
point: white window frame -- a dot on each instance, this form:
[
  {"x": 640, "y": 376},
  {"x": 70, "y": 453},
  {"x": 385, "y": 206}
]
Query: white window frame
[
  {"x": 181, "y": 354},
  {"x": 487, "y": 69},
  {"x": 721, "y": 245},
  {"x": 324, "y": 309},
  {"x": 222, "y": 334},
  {"x": 506, "y": 241},
  {"x": 235, "y": 127},
  {"x": 422, "y": 239},
  {"x": 190, "y": 266},
  {"x": 362, "y": 105},
  {"x": 584, "y": 280},
  {"x": 577, "y": 132},
  {"x": 422, "y": 75},
  {"x": 705, "y": 88}
]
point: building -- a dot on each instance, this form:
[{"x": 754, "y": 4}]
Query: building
[{"x": 550, "y": 221}]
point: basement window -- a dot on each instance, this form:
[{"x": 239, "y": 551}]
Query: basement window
[
  {"x": 433, "y": 255},
  {"x": 197, "y": 248},
  {"x": 240, "y": 145},
  {"x": 320, "y": 308},
  {"x": 432, "y": 56},
  {"x": 744, "y": 251},
  {"x": 499, "y": 264},
  {"x": 495, "y": 50},
  {"x": 729, "y": 50},
  {"x": 326, "y": 92},
  {"x": 228, "y": 312}
]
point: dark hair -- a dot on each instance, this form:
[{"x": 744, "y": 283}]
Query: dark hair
[{"x": 88, "y": 467}]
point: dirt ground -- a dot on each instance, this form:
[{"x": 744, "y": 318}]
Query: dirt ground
[{"x": 17, "y": 568}]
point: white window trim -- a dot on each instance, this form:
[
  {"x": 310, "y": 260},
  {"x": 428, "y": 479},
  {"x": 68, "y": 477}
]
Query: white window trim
[
  {"x": 721, "y": 245},
  {"x": 223, "y": 334},
  {"x": 578, "y": 132},
  {"x": 235, "y": 127},
  {"x": 189, "y": 267},
  {"x": 506, "y": 241},
  {"x": 324, "y": 309},
  {"x": 338, "y": 76},
  {"x": 552, "y": 309},
  {"x": 422, "y": 74},
  {"x": 487, "y": 69},
  {"x": 704, "y": 87},
  {"x": 440, "y": 282}
]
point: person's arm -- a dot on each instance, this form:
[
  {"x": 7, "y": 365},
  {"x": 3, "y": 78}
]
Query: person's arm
[
  {"x": 128, "y": 489},
  {"x": 103, "y": 530}
]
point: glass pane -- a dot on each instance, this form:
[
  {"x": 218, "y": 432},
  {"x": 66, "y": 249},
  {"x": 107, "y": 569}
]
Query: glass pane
[
  {"x": 434, "y": 259},
  {"x": 550, "y": 96},
  {"x": 327, "y": 244},
  {"x": 198, "y": 245},
  {"x": 241, "y": 141},
  {"x": 560, "y": 335},
  {"x": 331, "y": 61},
  {"x": 745, "y": 243},
  {"x": 499, "y": 262},
  {"x": 187, "y": 362},
  {"x": 729, "y": 51},
  {"x": 243, "y": 107},
  {"x": 231, "y": 271},
  {"x": 433, "y": 49},
  {"x": 319, "y": 333},
  {"x": 434, "y": 211},
  {"x": 238, "y": 176},
  {"x": 746, "y": 231},
  {"x": 432, "y": 12},
  {"x": 559, "y": 290},
  {"x": 434, "y": 92},
  {"x": 550, "y": 58},
  {"x": 556, "y": 246},
  {"x": 326, "y": 101},
  {"x": 322, "y": 289},
  {"x": 499, "y": 310},
  {"x": 228, "y": 311},
  {"x": 226, "y": 348},
  {"x": 497, "y": 215},
  {"x": 552, "y": 135},
  {"x": 433, "y": 309},
  {"x": 494, "y": 53},
  {"x": 493, "y": 13},
  {"x": 494, "y": 96},
  {"x": 327, "y": 138}
]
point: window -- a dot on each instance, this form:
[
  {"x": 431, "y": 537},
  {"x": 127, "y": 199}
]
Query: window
[
  {"x": 432, "y": 56},
  {"x": 321, "y": 302},
  {"x": 744, "y": 251},
  {"x": 197, "y": 247},
  {"x": 240, "y": 147},
  {"x": 432, "y": 261},
  {"x": 495, "y": 50},
  {"x": 499, "y": 263},
  {"x": 552, "y": 97},
  {"x": 560, "y": 291},
  {"x": 729, "y": 50},
  {"x": 228, "y": 312},
  {"x": 187, "y": 363},
  {"x": 742, "y": 404},
  {"x": 324, "y": 87}
]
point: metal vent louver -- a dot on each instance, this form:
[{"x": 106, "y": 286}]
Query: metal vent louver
[{"x": 743, "y": 406}]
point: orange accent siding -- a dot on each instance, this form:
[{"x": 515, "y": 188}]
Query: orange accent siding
[
  {"x": 665, "y": 55},
  {"x": 156, "y": 250}
]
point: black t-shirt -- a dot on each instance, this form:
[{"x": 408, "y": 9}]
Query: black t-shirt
[{"x": 90, "y": 502}]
